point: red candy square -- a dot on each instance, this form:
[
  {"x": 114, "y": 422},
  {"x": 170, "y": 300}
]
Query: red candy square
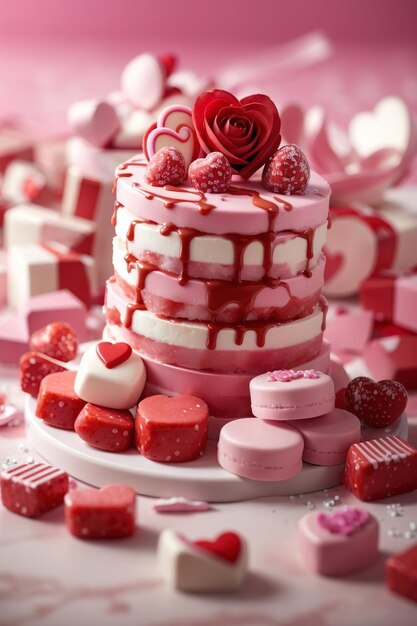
[
  {"x": 101, "y": 513},
  {"x": 401, "y": 573},
  {"x": 34, "y": 366},
  {"x": 33, "y": 489},
  {"x": 171, "y": 429},
  {"x": 106, "y": 429},
  {"x": 380, "y": 468},
  {"x": 58, "y": 404}
]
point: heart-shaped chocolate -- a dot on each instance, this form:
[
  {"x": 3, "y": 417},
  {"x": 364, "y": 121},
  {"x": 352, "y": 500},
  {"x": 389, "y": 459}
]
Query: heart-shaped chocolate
[
  {"x": 113, "y": 354},
  {"x": 376, "y": 404},
  {"x": 227, "y": 546},
  {"x": 174, "y": 128}
]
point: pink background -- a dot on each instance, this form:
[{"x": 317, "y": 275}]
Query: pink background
[
  {"x": 54, "y": 52},
  {"x": 265, "y": 21}
]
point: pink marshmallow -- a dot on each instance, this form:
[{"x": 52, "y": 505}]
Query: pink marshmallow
[{"x": 96, "y": 122}]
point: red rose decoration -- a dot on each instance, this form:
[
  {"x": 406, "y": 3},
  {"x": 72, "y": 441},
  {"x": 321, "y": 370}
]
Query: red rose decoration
[{"x": 247, "y": 132}]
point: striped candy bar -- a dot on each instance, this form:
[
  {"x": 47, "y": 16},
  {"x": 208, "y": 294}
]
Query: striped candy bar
[
  {"x": 33, "y": 489},
  {"x": 380, "y": 468}
]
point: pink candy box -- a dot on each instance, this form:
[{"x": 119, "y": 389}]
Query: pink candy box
[
  {"x": 33, "y": 489},
  {"x": 291, "y": 394},
  {"x": 338, "y": 543}
]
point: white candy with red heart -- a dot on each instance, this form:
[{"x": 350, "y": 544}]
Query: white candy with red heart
[
  {"x": 143, "y": 81},
  {"x": 188, "y": 567},
  {"x": 287, "y": 171},
  {"x": 110, "y": 375},
  {"x": 211, "y": 174},
  {"x": 166, "y": 167},
  {"x": 175, "y": 128},
  {"x": 95, "y": 121}
]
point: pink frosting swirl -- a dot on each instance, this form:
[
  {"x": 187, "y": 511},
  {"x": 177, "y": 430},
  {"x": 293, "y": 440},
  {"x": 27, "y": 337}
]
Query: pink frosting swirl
[
  {"x": 346, "y": 522},
  {"x": 286, "y": 376}
]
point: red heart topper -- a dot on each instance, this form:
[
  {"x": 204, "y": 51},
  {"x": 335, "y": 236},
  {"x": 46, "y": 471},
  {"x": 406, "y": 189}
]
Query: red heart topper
[
  {"x": 113, "y": 354},
  {"x": 376, "y": 404},
  {"x": 227, "y": 546}
]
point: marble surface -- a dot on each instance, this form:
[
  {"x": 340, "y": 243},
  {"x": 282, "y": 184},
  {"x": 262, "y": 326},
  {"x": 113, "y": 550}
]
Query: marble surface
[{"x": 49, "y": 578}]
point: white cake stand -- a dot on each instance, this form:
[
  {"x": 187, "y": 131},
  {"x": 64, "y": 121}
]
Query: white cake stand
[{"x": 203, "y": 479}]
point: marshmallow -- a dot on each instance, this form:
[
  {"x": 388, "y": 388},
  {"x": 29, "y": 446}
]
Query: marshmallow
[{"x": 96, "y": 122}]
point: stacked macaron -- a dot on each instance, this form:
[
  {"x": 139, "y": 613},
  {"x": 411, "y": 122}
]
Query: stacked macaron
[{"x": 295, "y": 420}]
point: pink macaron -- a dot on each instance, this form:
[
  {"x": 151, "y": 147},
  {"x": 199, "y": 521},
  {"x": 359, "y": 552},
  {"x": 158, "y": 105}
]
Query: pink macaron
[
  {"x": 291, "y": 395},
  {"x": 260, "y": 450},
  {"x": 328, "y": 438}
]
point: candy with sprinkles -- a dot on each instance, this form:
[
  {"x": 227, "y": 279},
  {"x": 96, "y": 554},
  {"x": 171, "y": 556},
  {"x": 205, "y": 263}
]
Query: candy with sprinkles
[
  {"x": 218, "y": 565},
  {"x": 57, "y": 340},
  {"x": 166, "y": 167},
  {"x": 287, "y": 171},
  {"x": 106, "y": 513},
  {"x": 381, "y": 468},
  {"x": 34, "y": 366},
  {"x": 212, "y": 174},
  {"x": 32, "y": 489},
  {"x": 339, "y": 542},
  {"x": 58, "y": 404},
  {"x": 172, "y": 430},
  {"x": 376, "y": 404},
  {"x": 106, "y": 429}
]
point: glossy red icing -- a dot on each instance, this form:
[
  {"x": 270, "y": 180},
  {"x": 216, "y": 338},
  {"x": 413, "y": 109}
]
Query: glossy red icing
[
  {"x": 113, "y": 354},
  {"x": 227, "y": 546}
]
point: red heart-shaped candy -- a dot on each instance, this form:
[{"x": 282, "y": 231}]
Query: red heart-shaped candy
[
  {"x": 57, "y": 340},
  {"x": 212, "y": 174},
  {"x": 376, "y": 404},
  {"x": 113, "y": 354},
  {"x": 227, "y": 546}
]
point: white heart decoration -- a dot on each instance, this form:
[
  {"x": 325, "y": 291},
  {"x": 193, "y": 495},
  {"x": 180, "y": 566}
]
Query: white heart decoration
[
  {"x": 174, "y": 128},
  {"x": 389, "y": 125}
]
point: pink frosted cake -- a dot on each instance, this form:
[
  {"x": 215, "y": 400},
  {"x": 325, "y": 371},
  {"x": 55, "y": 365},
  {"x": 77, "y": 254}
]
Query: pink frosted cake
[{"x": 224, "y": 281}]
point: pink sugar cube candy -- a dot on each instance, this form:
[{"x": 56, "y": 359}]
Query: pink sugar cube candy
[{"x": 33, "y": 489}]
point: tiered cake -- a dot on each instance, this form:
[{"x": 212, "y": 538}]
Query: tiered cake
[{"x": 212, "y": 289}]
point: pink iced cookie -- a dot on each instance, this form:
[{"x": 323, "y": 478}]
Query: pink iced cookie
[
  {"x": 58, "y": 404},
  {"x": 33, "y": 489},
  {"x": 105, "y": 513},
  {"x": 106, "y": 429},
  {"x": 260, "y": 450},
  {"x": 110, "y": 375},
  {"x": 328, "y": 438},
  {"x": 338, "y": 543},
  {"x": 291, "y": 395}
]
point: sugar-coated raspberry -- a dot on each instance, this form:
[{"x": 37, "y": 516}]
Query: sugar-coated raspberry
[
  {"x": 57, "y": 340},
  {"x": 287, "y": 171}
]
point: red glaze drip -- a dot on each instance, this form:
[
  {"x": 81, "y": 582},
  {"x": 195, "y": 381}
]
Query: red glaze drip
[
  {"x": 203, "y": 206},
  {"x": 186, "y": 236},
  {"x": 329, "y": 220},
  {"x": 324, "y": 306},
  {"x": 271, "y": 208},
  {"x": 117, "y": 206},
  {"x": 130, "y": 235},
  {"x": 221, "y": 293},
  {"x": 143, "y": 269},
  {"x": 118, "y": 175},
  {"x": 260, "y": 328},
  {"x": 308, "y": 235}
]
